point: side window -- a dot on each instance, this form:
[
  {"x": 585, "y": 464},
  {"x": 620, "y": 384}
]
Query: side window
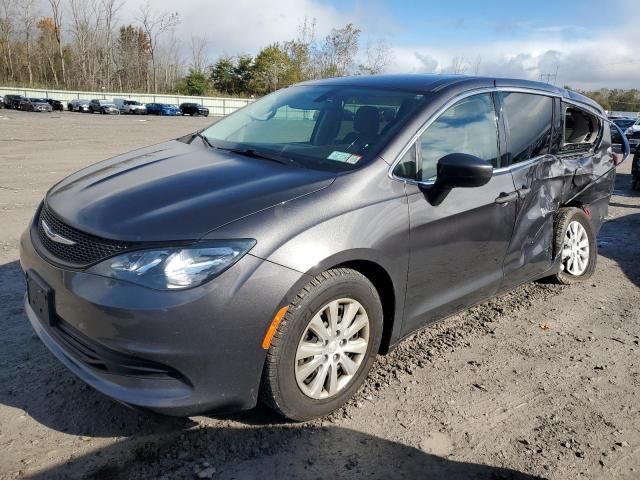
[
  {"x": 406, "y": 168},
  {"x": 580, "y": 128},
  {"x": 528, "y": 118},
  {"x": 467, "y": 127}
]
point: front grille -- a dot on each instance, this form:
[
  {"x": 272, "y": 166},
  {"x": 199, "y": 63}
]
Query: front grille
[{"x": 87, "y": 249}]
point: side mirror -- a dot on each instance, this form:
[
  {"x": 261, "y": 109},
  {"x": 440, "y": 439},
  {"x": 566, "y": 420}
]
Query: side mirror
[
  {"x": 626, "y": 148},
  {"x": 458, "y": 170}
]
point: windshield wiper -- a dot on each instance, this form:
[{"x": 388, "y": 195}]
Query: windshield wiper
[
  {"x": 253, "y": 153},
  {"x": 204, "y": 139}
]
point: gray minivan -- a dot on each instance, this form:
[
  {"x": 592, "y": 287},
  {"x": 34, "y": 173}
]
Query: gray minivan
[{"x": 272, "y": 255}]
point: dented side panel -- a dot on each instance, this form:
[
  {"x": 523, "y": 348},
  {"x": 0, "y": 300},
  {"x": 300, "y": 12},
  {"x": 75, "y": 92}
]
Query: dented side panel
[{"x": 583, "y": 179}]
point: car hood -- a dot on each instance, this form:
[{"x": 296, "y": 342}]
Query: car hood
[{"x": 175, "y": 191}]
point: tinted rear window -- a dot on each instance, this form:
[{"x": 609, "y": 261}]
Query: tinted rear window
[{"x": 528, "y": 119}]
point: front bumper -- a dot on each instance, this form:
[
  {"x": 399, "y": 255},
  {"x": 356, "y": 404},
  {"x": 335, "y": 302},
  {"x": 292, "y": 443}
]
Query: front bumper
[{"x": 175, "y": 352}]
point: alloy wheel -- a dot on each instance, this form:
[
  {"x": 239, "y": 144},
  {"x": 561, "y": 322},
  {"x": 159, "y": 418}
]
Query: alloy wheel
[
  {"x": 332, "y": 348},
  {"x": 575, "y": 250}
]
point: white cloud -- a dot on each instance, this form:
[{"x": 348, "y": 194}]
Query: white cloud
[
  {"x": 584, "y": 58},
  {"x": 604, "y": 60},
  {"x": 243, "y": 26}
]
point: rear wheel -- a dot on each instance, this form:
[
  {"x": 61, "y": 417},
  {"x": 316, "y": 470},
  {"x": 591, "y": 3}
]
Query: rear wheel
[
  {"x": 576, "y": 244},
  {"x": 324, "y": 346}
]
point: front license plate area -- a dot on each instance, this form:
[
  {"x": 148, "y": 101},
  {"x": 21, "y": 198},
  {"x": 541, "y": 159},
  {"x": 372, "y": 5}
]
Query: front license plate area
[{"x": 40, "y": 297}]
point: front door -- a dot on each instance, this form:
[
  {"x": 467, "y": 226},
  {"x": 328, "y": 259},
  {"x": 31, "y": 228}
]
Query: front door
[{"x": 457, "y": 248}]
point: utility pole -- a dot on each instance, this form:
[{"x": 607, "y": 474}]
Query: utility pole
[{"x": 549, "y": 77}]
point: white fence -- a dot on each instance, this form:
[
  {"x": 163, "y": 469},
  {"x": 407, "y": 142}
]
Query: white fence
[{"x": 216, "y": 105}]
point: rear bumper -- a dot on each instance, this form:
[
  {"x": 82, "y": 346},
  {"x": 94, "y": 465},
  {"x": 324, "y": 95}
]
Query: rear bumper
[{"x": 177, "y": 352}]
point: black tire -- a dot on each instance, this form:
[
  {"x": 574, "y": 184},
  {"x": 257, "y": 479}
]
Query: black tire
[
  {"x": 279, "y": 389},
  {"x": 564, "y": 218}
]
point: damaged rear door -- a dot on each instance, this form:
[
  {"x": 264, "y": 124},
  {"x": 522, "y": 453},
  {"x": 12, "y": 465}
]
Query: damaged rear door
[
  {"x": 528, "y": 120},
  {"x": 552, "y": 149}
]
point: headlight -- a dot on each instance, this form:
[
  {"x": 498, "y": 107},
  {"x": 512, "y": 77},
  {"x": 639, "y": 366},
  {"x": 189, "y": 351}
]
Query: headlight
[{"x": 177, "y": 267}]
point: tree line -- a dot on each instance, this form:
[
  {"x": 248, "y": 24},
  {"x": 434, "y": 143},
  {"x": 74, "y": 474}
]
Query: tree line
[
  {"x": 617, "y": 100},
  {"x": 82, "y": 45}
]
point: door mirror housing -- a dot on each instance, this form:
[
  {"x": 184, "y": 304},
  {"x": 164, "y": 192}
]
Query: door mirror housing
[{"x": 458, "y": 170}]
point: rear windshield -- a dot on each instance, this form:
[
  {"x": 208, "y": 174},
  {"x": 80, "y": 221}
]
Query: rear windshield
[{"x": 319, "y": 126}]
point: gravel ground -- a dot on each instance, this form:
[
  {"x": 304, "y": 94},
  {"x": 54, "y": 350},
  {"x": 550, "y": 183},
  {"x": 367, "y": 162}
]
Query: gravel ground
[{"x": 540, "y": 383}]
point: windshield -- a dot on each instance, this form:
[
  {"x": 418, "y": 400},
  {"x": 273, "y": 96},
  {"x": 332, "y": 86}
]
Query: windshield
[{"x": 319, "y": 126}]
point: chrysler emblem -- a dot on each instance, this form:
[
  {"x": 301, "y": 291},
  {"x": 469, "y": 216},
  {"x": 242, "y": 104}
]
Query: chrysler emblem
[{"x": 54, "y": 236}]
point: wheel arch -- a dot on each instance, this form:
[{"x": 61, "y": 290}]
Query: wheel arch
[{"x": 389, "y": 291}]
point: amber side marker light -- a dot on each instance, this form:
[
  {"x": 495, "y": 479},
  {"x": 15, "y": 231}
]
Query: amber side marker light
[{"x": 266, "y": 342}]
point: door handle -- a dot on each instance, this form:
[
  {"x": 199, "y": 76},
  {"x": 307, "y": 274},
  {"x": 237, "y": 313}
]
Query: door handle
[{"x": 506, "y": 197}]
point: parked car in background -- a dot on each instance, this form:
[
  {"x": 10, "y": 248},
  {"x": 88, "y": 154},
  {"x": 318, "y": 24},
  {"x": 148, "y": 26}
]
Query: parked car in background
[
  {"x": 633, "y": 134},
  {"x": 1, "y": 102},
  {"x": 57, "y": 105},
  {"x": 13, "y": 101},
  {"x": 273, "y": 256},
  {"x": 79, "y": 106},
  {"x": 128, "y": 106},
  {"x": 624, "y": 122},
  {"x": 194, "y": 109},
  {"x": 106, "y": 107},
  {"x": 635, "y": 169},
  {"x": 162, "y": 109},
  {"x": 35, "y": 105}
]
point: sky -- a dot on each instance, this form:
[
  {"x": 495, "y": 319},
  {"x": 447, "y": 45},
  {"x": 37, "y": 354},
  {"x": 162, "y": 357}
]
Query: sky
[{"x": 589, "y": 44}]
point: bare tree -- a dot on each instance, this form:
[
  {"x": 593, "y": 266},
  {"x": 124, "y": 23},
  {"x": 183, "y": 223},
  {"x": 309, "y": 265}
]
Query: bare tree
[
  {"x": 155, "y": 24},
  {"x": 199, "y": 58},
  {"x": 27, "y": 13},
  {"x": 85, "y": 26},
  {"x": 109, "y": 10},
  {"x": 55, "y": 15},
  {"x": 301, "y": 50},
  {"x": 6, "y": 35},
  {"x": 339, "y": 50},
  {"x": 377, "y": 58},
  {"x": 458, "y": 65},
  {"x": 477, "y": 64}
]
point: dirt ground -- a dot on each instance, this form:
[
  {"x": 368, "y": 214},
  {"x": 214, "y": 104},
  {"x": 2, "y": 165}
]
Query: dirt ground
[{"x": 543, "y": 382}]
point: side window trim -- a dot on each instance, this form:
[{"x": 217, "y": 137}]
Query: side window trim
[
  {"x": 492, "y": 94},
  {"x": 454, "y": 100},
  {"x": 433, "y": 118}
]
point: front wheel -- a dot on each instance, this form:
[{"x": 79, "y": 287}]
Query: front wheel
[
  {"x": 575, "y": 242},
  {"x": 324, "y": 346}
]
